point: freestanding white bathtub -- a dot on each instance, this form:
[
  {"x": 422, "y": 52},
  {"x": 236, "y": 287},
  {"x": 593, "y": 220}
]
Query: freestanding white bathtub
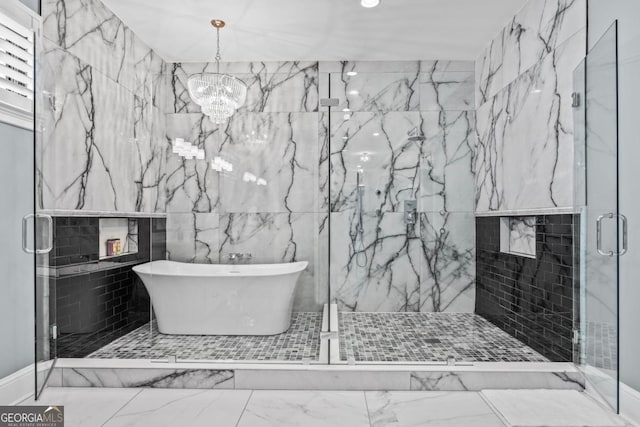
[{"x": 221, "y": 299}]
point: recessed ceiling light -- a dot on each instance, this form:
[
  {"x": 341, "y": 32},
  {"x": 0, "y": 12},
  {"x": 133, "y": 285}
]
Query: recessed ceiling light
[
  {"x": 369, "y": 3},
  {"x": 346, "y": 110},
  {"x": 352, "y": 73},
  {"x": 376, "y": 134},
  {"x": 353, "y": 92}
]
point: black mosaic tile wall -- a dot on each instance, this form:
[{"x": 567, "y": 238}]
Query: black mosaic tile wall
[
  {"x": 75, "y": 240},
  {"x": 93, "y": 301},
  {"x": 533, "y": 300}
]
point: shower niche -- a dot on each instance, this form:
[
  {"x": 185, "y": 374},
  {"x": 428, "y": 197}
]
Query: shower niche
[
  {"x": 518, "y": 236},
  {"x": 117, "y": 237}
]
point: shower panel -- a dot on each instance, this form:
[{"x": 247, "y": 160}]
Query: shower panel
[
  {"x": 400, "y": 251},
  {"x": 603, "y": 233}
]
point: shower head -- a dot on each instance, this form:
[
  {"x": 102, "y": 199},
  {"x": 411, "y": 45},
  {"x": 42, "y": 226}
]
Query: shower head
[{"x": 416, "y": 135}]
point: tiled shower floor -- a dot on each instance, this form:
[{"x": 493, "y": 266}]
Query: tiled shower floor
[
  {"x": 364, "y": 338},
  {"x": 601, "y": 345},
  {"x": 300, "y": 342},
  {"x": 419, "y": 337}
]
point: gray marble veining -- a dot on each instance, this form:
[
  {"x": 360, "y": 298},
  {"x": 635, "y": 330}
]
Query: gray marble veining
[
  {"x": 524, "y": 157},
  {"x": 101, "y": 116},
  {"x": 115, "y": 108},
  {"x": 148, "y": 378}
]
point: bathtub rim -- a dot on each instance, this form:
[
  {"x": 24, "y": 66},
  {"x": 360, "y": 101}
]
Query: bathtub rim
[{"x": 258, "y": 270}]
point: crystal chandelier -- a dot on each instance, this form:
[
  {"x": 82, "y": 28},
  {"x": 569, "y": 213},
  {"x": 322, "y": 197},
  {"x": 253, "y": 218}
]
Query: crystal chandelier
[{"x": 219, "y": 95}]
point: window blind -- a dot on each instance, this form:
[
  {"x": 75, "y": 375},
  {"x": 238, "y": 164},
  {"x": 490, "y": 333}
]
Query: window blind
[{"x": 16, "y": 65}]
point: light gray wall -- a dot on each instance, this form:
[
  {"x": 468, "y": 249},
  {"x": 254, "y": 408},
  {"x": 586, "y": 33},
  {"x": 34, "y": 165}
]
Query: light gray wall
[
  {"x": 33, "y": 4},
  {"x": 16, "y": 267},
  {"x": 601, "y": 16}
]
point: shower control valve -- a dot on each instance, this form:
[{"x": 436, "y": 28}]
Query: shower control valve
[{"x": 410, "y": 212}]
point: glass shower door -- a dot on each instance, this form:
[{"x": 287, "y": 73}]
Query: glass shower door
[
  {"x": 25, "y": 229},
  {"x": 603, "y": 227}
]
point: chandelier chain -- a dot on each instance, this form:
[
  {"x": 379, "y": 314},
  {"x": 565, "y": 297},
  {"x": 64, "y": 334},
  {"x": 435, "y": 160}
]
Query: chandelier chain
[{"x": 218, "y": 56}]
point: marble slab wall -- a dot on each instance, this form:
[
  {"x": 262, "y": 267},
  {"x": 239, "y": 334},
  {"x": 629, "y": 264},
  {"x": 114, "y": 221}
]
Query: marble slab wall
[
  {"x": 308, "y": 156},
  {"x": 274, "y": 136},
  {"x": 102, "y": 119},
  {"x": 112, "y": 108},
  {"x": 524, "y": 85},
  {"x": 379, "y": 262}
]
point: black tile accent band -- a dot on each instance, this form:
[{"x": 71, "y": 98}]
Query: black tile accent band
[
  {"x": 534, "y": 300},
  {"x": 103, "y": 300}
]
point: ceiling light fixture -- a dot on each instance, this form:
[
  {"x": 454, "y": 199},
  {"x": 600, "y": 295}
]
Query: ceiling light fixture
[
  {"x": 352, "y": 73},
  {"x": 218, "y": 95},
  {"x": 369, "y": 3}
]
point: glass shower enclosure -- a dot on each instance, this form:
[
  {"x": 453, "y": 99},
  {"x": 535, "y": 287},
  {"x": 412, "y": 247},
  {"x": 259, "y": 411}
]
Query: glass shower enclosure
[{"x": 603, "y": 234}]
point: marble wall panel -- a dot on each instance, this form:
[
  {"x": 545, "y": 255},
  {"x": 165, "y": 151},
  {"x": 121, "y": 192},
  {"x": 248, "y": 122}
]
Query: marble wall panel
[
  {"x": 131, "y": 105},
  {"x": 277, "y": 238},
  {"x": 278, "y": 148},
  {"x": 191, "y": 185},
  {"x": 102, "y": 126},
  {"x": 89, "y": 149},
  {"x": 378, "y": 269},
  {"x": 377, "y": 145},
  {"x": 193, "y": 237},
  {"x": 524, "y": 84},
  {"x": 88, "y": 30},
  {"x": 525, "y": 137},
  {"x": 447, "y": 277}
]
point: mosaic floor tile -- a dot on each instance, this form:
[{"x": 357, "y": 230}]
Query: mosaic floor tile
[
  {"x": 419, "y": 337},
  {"x": 601, "y": 345},
  {"x": 364, "y": 337},
  {"x": 300, "y": 342}
]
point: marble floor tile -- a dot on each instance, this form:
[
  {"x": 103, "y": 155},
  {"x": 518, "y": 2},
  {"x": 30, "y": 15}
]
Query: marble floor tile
[
  {"x": 443, "y": 409},
  {"x": 305, "y": 408},
  {"x": 88, "y": 407},
  {"x": 193, "y": 408},
  {"x": 554, "y": 408}
]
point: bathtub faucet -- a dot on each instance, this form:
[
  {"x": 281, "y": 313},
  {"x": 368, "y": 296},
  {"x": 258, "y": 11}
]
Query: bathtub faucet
[{"x": 237, "y": 257}]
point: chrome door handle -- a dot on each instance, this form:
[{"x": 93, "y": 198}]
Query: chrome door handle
[
  {"x": 625, "y": 244},
  {"x": 25, "y": 245},
  {"x": 599, "y": 234}
]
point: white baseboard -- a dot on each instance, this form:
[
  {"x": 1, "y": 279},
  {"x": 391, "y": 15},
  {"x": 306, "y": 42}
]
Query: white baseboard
[
  {"x": 21, "y": 385},
  {"x": 630, "y": 404},
  {"x": 18, "y": 386}
]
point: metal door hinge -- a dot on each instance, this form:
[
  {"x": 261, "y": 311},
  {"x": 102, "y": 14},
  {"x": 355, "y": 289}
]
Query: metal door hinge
[
  {"x": 575, "y": 100},
  {"x": 576, "y": 337},
  {"x": 329, "y": 102}
]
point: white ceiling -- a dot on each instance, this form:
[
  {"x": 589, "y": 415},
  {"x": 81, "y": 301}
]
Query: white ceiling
[{"x": 280, "y": 30}]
